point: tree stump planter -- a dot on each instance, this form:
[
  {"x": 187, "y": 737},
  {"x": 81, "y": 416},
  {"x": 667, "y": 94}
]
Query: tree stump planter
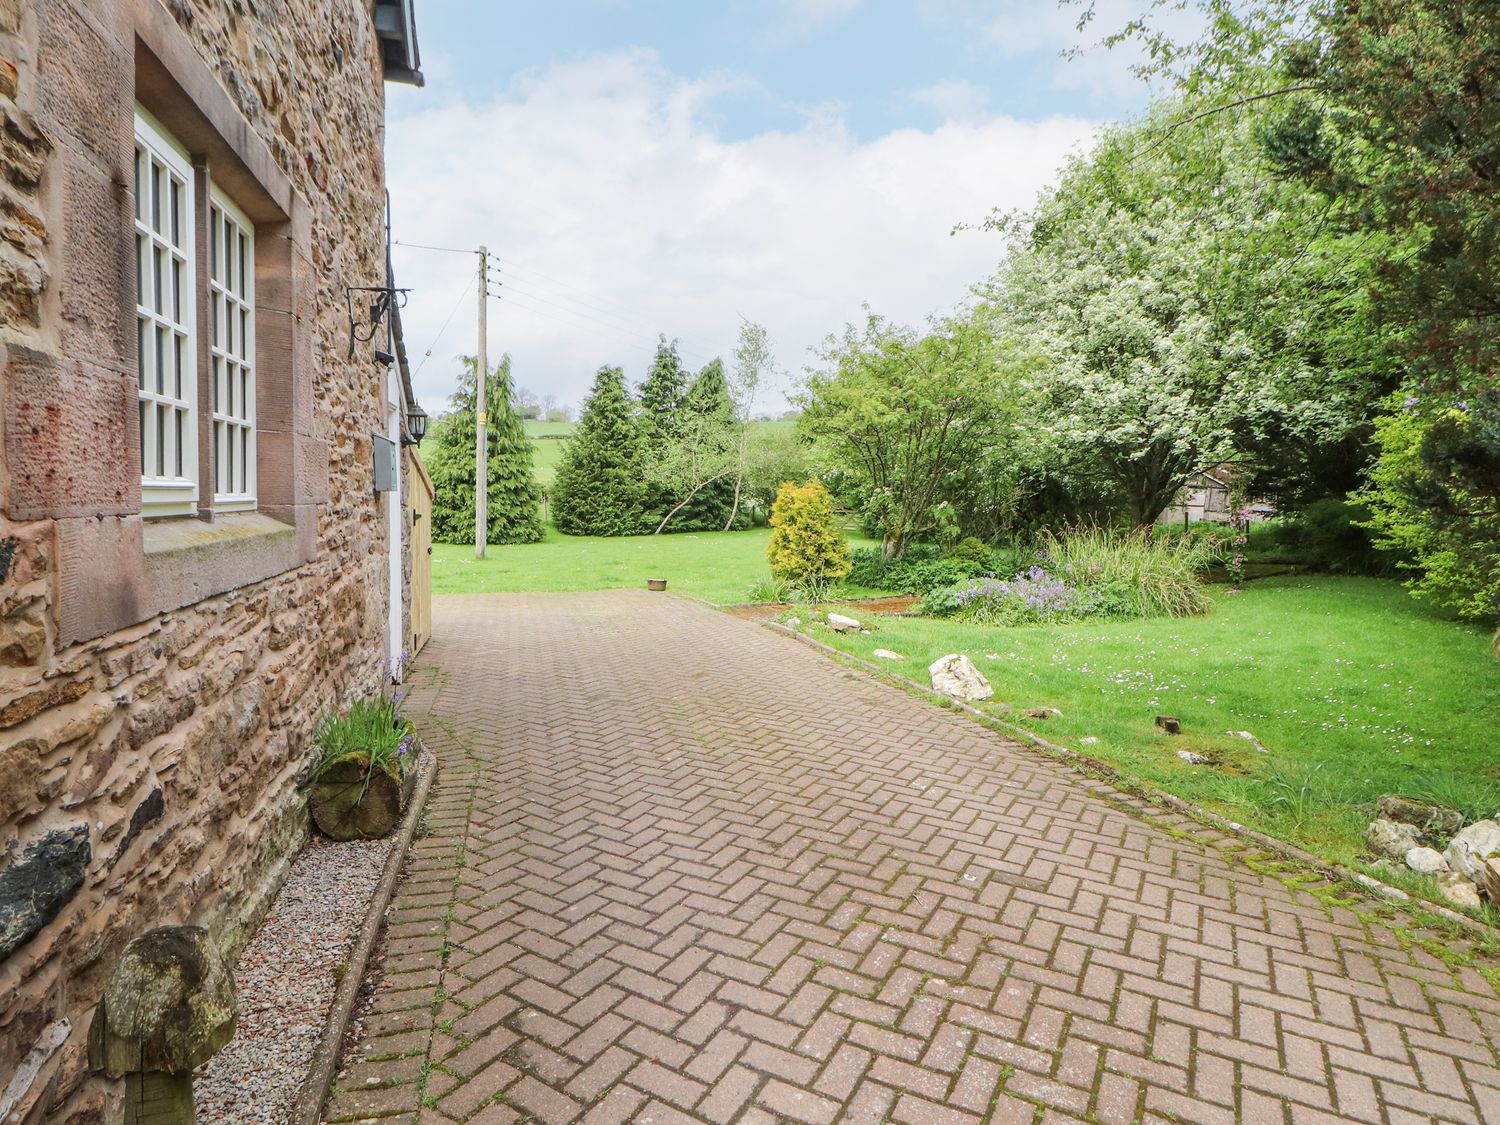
[
  {"x": 352, "y": 800},
  {"x": 657, "y": 584}
]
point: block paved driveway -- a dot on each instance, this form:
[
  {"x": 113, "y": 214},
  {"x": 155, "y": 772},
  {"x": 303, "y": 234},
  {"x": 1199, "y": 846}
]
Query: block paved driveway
[{"x": 681, "y": 868}]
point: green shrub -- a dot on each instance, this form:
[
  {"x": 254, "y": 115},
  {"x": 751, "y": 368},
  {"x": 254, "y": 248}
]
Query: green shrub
[
  {"x": 1329, "y": 534},
  {"x": 917, "y": 576},
  {"x": 1006, "y": 562},
  {"x": 970, "y": 551},
  {"x": 869, "y": 566},
  {"x": 807, "y": 547},
  {"x": 1434, "y": 495},
  {"x": 942, "y": 602}
]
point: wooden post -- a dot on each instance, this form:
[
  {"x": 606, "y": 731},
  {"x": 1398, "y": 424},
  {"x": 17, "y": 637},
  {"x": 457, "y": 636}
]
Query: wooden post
[
  {"x": 169, "y": 1007},
  {"x": 481, "y": 414}
]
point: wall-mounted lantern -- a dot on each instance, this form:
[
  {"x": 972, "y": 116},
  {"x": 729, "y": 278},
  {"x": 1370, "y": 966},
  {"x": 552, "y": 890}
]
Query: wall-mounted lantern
[{"x": 416, "y": 424}]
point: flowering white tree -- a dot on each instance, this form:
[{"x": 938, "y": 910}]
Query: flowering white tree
[{"x": 1167, "y": 306}]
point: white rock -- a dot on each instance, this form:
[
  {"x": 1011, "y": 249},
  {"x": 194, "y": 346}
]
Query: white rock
[
  {"x": 1391, "y": 838},
  {"x": 1250, "y": 738},
  {"x": 956, "y": 675},
  {"x": 1192, "y": 759},
  {"x": 841, "y": 624},
  {"x": 1471, "y": 847},
  {"x": 1459, "y": 889},
  {"x": 886, "y": 654},
  {"x": 1426, "y": 861}
]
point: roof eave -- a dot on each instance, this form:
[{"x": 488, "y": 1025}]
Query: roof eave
[{"x": 396, "y": 28}]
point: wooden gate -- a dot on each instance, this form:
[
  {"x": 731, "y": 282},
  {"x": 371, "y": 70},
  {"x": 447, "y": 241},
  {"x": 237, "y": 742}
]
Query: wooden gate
[{"x": 419, "y": 500}]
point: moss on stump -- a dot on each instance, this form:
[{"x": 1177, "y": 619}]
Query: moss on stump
[{"x": 351, "y": 800}]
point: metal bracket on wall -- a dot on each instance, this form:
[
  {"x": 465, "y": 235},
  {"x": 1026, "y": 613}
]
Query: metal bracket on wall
[{"x": 380, "y": 304}]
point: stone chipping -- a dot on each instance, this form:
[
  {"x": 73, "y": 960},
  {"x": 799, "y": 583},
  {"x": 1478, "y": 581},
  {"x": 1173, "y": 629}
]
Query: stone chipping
[{"x": 287, "y": 977}]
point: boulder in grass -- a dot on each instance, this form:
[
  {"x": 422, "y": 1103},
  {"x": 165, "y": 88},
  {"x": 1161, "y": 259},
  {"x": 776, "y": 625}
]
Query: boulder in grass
[
  {"x": 956, "y": 675},
  {"x": 1391, "y": 838},
  {"x": 886, "y": 654},
  {"x": 1250, "y": 738},
  {"x": 1428, "y": 819},
  {"x": 1426, "y": 861},
  {"x": 1459, "y": 889},
  {"x": 1471, "y": 847},
  {"x": 841, "y": 624}
]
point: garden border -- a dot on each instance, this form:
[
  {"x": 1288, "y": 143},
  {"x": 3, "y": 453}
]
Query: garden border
[
  {"x": 1136, "y": 786},
  {"x": 314, "y": 1092}
]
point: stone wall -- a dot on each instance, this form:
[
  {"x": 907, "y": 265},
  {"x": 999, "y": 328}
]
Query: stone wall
[{"x": 147, "y": 775}]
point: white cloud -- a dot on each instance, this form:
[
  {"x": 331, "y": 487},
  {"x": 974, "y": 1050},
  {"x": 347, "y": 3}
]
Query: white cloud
[
  {"x": 1015, "y": 29},
  {"x": 620, "y": 213},
  {"x": 958, "y": 100}
]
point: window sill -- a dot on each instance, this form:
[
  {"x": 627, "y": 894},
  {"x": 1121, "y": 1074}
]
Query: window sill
[
  {"x": 187, "y": 560},
  {"x": 173, "y": 536},
  {"x": 120, "y": 571}
]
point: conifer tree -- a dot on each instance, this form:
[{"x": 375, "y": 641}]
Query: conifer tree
[
  {"x": 806, "y": 547},
  {"x": 661, "y": 396},
  {"x": 514, "y": 506},
  {"x": 600, "y": 486}
]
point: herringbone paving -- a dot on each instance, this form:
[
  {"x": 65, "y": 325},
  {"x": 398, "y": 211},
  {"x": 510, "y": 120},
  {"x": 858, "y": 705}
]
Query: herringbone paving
[{"x": 681, "y": 869}]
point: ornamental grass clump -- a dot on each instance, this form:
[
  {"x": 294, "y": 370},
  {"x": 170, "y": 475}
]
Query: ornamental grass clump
[
  {"x": 1134, "y": 574},
  {"x": 1088, "y": 573},
  {"x": 372, "y": 733}
]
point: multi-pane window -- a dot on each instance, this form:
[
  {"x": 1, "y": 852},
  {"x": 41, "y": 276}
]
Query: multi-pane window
[
  {"x": 166, "y": 299},
  {"x": 231, "y": 279},
  {"x": 166, "y": 373}
]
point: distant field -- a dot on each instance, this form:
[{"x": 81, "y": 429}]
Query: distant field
[
  {"x": 548, "y": 439},
  {"x": 547, "y": 442}
]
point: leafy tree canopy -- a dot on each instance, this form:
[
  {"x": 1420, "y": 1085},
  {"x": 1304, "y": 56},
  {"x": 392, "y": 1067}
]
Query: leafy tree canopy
[{"x": 900, "y": 412}]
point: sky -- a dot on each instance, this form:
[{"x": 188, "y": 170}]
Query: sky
[{"x": 672, "y": 167}]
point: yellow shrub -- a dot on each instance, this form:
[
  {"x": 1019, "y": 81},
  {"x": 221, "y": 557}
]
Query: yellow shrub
[{"x": 806, "y": 544}]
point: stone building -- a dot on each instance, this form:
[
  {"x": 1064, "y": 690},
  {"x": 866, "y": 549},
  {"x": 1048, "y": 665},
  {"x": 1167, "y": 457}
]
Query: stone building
[{"x": 195, "y": 564}]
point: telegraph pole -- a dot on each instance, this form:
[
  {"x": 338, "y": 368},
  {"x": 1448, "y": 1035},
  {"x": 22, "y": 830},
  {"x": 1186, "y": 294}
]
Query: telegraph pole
[{"x": 481, "y": 414}]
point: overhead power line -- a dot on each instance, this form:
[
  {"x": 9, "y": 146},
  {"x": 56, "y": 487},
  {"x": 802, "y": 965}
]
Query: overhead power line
[
  {"x": 587, "y": 298},
  {"x": 439, "y": 249},
  {"x": 439, "y": 337}
]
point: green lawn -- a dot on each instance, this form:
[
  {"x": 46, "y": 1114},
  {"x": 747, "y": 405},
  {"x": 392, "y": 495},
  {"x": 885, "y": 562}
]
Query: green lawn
[
  {"x": 1355, "y": 690},
  {"x": 716, "y": 565}
]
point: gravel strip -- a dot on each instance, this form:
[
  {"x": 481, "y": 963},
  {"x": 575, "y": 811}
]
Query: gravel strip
[{"x": 287, "y": 977}]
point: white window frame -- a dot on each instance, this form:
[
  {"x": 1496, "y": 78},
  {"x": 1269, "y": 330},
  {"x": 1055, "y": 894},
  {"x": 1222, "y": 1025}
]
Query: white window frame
[
  {"x": 231, "y": 295},
  {"x": 169, "y": 463}
]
